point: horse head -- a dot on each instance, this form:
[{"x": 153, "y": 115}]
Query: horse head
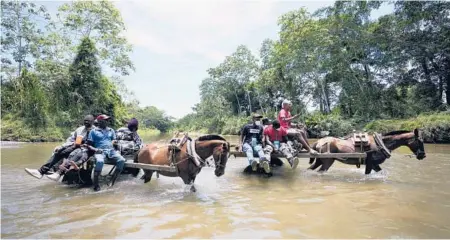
[
  {"x": 413, "y": 140},
  {"x": 219, "y": 148},
  {"x": 416, "y": 145},
  {"x": 220, "y": 154}
]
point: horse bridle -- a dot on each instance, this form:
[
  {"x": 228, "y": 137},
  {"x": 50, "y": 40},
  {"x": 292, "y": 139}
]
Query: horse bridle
[
  {"x": 419, "y": 151},
  {"x": 219, "y": 164}
]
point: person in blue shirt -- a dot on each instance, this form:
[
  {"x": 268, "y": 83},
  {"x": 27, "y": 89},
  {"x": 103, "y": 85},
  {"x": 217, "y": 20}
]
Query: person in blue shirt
[{"x": 102, "y": 139}]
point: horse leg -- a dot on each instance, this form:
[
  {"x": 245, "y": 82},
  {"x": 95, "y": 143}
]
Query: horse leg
[
  {"x": 135, "y": 172},
  {"x": 326, "y": 163},
  {"x": 369, "y": 164},
  {"x": 147, "y": 175},
  {"x": 316, "y": 164},
  {"x": 193, "y": 189},
  {"x": 377, "y": 167}
]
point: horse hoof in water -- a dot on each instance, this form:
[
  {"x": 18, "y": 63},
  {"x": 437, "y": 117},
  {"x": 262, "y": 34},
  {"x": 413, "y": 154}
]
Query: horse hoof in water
[{"x": 193, "y": 189}]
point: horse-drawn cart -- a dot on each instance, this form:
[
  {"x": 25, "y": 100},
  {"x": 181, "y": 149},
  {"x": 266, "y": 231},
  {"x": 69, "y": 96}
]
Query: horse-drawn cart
[{"x": 304, "y": 154}]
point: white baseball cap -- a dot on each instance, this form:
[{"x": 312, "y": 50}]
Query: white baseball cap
[{"x": 285, "y": 101}]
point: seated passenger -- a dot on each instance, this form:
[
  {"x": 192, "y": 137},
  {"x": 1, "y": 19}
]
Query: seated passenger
[
  {"x": 285, "y": 119},
  {"x": 73, "y": 142},
  {"x": 128, "y": 139},
  {"x": 265, "y": 123},
  {"x": 101, "y": 138},
  {"x": 276, "y": 139},
  {"x": 75, "y": 159},
  {"x": 251, "y": 142}
]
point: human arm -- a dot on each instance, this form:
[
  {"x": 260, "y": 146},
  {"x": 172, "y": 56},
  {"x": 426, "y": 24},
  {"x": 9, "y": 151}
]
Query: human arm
[
  {"x": 267, "y": 139},
  {"x": 261, "y": 134},
  {"x": 137, "y": 140},
  {"x": 114, "y": 137},
  {"x": 90, "y": 142},
  {"x": 284, "y": 118},
  {"x": 69, "y": 141}
]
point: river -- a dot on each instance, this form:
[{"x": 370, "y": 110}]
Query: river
[{"x": 408, "y": 199}]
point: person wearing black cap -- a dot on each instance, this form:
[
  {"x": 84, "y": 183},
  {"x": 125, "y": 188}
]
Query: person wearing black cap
[
  {"x": 75, "y": 140},
  {"x": 251, "y": 142},
  {"x": 101, "y": 139}
]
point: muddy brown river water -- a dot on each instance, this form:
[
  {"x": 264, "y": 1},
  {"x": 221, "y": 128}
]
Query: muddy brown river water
[{"x": 408, "y": 199}]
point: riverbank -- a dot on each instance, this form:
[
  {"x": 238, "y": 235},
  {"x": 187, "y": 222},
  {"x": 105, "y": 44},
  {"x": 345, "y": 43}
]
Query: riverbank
[
  {"x": 17, "y": 131},
  {"x": 436, "y": 127}
]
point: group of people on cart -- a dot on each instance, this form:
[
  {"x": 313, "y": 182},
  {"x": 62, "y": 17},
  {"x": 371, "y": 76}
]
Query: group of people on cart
[
  {"x": 259, "y": 140},
  {"x": 95, "y": 139}
]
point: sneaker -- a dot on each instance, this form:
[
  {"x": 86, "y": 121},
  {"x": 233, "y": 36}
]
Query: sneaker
[
  {"x": 266, "y": 166},
  {"x": 294, "y": 163},
  {"x": 33, "y": 172},
  {"x": 254, "y": 166},
  {"x": 54, "y": 176}
]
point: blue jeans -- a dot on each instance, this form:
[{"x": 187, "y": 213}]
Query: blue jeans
[
  {"x": 112, "y": 157},
  {"x": 250, "y": 151}
]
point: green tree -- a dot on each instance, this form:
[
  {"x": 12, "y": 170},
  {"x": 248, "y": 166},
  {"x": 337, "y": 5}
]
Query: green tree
[
  {"x": 82, "y": 92},
  {"x": 102, "y": 22},
  {"x": 20, "y": 33},
  {"x": 233, "y": 75}
]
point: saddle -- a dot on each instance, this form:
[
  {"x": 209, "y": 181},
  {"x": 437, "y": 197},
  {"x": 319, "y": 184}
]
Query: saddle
[
  {"x": 175, "y": 145},
  {"x": 361, "y": 141}
]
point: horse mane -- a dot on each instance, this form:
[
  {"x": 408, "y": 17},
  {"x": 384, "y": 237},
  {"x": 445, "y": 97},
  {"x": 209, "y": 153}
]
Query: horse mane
[
  {"x": 396, "y": 132},
  {"x": 211, "y": 137}
]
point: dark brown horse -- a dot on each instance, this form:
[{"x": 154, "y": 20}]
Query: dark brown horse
[
  {"x": 376, "y": 152},
  {"x": 187, "y": 161}
]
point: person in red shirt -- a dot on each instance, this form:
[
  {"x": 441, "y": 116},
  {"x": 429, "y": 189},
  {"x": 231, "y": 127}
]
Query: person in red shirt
[
  {"x": 285, "y": 119},
  {"x": 276, "y": 139}
]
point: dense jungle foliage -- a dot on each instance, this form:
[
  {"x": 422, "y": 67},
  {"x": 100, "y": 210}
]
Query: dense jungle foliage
[
  {"x": 53, "y": 71},
  {"x": 359, "y": 73}
]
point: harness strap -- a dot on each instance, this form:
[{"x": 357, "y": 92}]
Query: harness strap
[
  {"x": 191, "y": 151},
  {"x": 381, "y": 146}
]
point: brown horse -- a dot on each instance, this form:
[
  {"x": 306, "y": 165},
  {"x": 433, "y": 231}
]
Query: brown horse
[
  {"x": 376, "y": 152},
  {"x": 188, "y": 160}
]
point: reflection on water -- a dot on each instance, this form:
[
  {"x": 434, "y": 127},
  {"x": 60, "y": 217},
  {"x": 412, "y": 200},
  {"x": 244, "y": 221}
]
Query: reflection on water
[{"x": 408, "y": 199}]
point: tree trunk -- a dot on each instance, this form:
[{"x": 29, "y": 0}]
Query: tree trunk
[
  {"x": 447, "y": 91},
  {"x": 441, "y": 79},
  {"x": 425, "y": 69}
]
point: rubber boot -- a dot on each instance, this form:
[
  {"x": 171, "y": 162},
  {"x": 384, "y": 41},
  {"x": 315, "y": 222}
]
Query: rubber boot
[{"x": 96, "y": 186}]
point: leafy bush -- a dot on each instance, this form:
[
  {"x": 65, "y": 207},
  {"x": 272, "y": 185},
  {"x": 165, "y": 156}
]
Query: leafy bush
[{"x": 435, "y": 127}]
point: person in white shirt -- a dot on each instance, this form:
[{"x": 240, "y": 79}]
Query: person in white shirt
[{"x": 64, "y": 150}]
